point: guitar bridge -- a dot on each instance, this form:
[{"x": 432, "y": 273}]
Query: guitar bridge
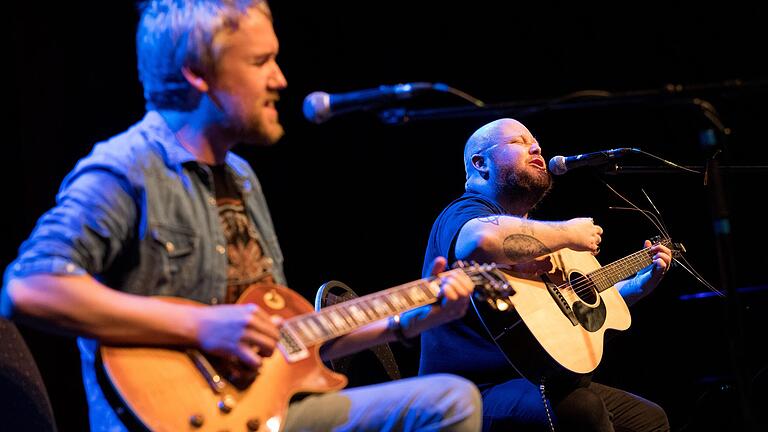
[{"x": 557, "y": 296}]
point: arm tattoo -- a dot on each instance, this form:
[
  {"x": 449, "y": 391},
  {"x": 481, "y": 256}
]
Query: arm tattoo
[
  {"x": 521, "y": 248},
  {"x": 493, "y": 220}
]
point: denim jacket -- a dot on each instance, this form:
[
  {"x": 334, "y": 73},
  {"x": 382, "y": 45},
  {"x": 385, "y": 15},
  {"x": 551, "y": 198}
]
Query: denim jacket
[{"x": 140, "y": 215}]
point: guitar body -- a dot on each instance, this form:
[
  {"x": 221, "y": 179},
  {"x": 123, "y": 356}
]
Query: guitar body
[
  {"x": 164, "y": 390},
  {"x": 549, "y": 331}
]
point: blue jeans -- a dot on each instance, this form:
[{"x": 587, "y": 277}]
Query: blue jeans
[
  {"x": 517, "y": 405},
  {"x": 429, "y": 403}
]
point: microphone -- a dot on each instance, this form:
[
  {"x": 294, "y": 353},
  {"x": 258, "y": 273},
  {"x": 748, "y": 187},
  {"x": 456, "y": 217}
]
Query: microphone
[
  {"x": 320, "y": 106},
  {"x": 560, "y": 165}
]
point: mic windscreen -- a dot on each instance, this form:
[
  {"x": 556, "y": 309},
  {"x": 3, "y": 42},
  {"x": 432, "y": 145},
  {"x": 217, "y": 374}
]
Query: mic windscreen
[
  {"x": 557, "y": 165},
  {"x": 317, "y": 107}
]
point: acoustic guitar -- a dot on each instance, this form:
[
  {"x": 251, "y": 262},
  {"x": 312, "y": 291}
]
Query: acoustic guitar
[
  {"x": 175, "y": 390},
  {"x": 555, "y": 323}
]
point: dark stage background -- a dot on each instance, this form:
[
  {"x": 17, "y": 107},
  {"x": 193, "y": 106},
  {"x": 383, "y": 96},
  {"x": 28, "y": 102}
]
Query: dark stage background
[{"x": 353, "y": 199}]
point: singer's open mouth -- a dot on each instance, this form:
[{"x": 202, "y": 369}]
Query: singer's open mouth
[{"x": 538, "y": 163}]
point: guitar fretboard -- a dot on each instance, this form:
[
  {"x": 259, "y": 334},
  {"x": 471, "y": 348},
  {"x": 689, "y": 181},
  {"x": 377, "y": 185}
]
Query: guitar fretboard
[
  {"x": 337, "y": 320},
  {"x": 607, "y": 276}
]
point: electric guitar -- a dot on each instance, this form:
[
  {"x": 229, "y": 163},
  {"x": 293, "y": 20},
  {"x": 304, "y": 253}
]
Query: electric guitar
[
  {"x": 555, "y": 323},
  {"x": 164, "y": 389}
]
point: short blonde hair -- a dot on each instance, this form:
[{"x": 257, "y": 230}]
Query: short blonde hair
[{"x": 173, "y": 34}]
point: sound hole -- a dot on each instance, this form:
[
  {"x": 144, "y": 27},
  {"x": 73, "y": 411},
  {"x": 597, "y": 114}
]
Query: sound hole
[{"x": 583, "y": 287}]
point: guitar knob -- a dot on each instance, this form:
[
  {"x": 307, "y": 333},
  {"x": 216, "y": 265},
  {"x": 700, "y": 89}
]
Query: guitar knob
[
  {"x": 253, "y": 425},
  {"x": 197, "y": 420},
  {"x": 226, "y": 404}
]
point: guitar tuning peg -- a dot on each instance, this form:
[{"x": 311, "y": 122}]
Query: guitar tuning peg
[{"x": 679, "y": 248}]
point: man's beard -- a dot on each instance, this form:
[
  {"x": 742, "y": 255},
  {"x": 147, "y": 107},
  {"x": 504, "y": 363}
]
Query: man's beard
[
  {"x": 525, "y": 187},
  {"x": 260, "y": 133},
  {"x": 264, "y": 136}
]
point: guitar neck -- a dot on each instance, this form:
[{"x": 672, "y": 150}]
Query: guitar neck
[
  {"x": 608, "y": 275},
  {"x": 340, "y": 319}
]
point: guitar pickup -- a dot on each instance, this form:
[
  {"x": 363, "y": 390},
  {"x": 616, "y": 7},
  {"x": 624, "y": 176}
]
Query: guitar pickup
[{"x": 293, "y": 350}]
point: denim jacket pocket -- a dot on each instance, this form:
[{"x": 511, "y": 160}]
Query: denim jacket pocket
[
  {"x": 177, "y": 241},
  {"x": 177, "y": 255}
]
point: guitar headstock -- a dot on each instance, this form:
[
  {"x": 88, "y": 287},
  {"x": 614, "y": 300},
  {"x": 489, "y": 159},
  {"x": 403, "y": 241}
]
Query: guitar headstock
[
  {"x": 676, "y": 248},
  {"x": 490, "y": 284}
]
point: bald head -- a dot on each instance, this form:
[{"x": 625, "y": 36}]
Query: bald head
[
  {"x": 503, "y": 162},
  {"x": 487, "y": 136}
]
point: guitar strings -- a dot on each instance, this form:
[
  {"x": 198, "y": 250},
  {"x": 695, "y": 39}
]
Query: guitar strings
[{"x": 583, "y": 284}]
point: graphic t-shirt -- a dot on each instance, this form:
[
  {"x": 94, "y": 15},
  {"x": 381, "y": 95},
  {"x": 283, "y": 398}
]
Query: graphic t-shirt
[{"x": 247, "y": 262}]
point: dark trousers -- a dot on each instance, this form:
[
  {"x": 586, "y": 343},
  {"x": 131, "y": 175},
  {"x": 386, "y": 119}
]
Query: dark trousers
[{"x": 517, "y": 405}]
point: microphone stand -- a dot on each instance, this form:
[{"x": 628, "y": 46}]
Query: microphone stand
[
  {"x": 671, "y": 94},
  {"x": 721, "y": 224},
  {"x": 619, "y": 169},
  {"x": 722, "y": 228}
]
